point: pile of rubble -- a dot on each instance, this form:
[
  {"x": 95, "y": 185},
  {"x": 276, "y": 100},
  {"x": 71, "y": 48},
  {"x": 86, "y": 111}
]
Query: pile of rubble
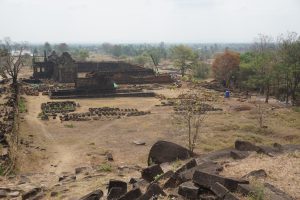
[
  {"x": 29, "y": 91},
  {"x": 197, "y": 178},
  {"x": 7, "y": 117},
  {"x": 185, "y": 102},
  {"x": 102, "y": 113},
  {"x": 58, "y": 107}
]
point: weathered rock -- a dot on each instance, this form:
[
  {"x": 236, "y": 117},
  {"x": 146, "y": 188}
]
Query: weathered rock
[
  {"x": 163, "y": 151},
  {"x": 172, "y": 182},
  {"x": 151, "y": 172},
  {"x": 119, "y": 184},
  {"x": 219, "y": 190},
  {"x": 31, "y": 193},
  {"x": 114, "y": 193},
  {"x": 275, "y": 193},
  {"x": 116, "y": 189},
  {"x": 109, "y": 157},
  {"x": 190, "y": 164},
  {"x": 13, "y": 194},
  {"x": 244, "y": 189},
  {"x": 95, "y": 195},
  {"x": 132, "y": 194},
  {"x": 78, "y": 170},
  {"x": 153, "y": 191},
  {"x": 230, "y": 196},
  {"x": 207, "y": 197},
  {"x": 239, "y": 154},
  {"x": 138, "y": 142},
  {"x": 207, "y": 180},
  {"x": 67, "y": 178},
  {"x": 188, "y": 190},
  {"x": 257, "y": 174},
  {"x": 245, "y": 146},
  {"x": 2, "y": 193},
  {"x": 209, "y": 167}
]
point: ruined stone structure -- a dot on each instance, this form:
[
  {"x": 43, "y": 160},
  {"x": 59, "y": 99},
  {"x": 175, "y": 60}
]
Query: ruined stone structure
[
  {"x": 59, "y": 68},
  {"x": 99, "y": 75},
  {"x": 95, "y": 82}
]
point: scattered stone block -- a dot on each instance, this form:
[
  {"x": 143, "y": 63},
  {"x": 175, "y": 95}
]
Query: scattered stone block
[
  {"x": 257, "y": 174},
  {"x": 116, "y": 189},
  {"x": 239, "y": 154},
  {"x": 151, "y": 172},
  {"x": 207, "y": 180},
  {"x": 245, "y": 146},
  {"x": 188, "y": 190},
  {"x": 95, "y": 195},
  {"x": 275, "y": 193},
  {"x": 31, "y": 193},
  {"x": 153, "y": 191},
  {"x": 132, "y": 194},
  {"x": 244, "y": 189}
]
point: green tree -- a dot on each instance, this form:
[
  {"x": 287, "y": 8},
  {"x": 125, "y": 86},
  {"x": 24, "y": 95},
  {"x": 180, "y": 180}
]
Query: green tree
[
  {"x": 183, "y": 58},
  {"x": 289, "y": 51},
  {"x": 201, "y": 70}
]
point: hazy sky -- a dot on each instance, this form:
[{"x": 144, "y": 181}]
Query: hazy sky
[{"x": 124, "y": 21}]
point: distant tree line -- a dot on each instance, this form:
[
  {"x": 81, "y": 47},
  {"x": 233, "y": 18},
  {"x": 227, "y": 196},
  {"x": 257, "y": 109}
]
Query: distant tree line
[{"x": 269, "y": 67}]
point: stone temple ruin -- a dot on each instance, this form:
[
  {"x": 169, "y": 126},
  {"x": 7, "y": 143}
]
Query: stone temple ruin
[
  {"x": 59, "y": 68},
  {"x": 64, "y": 69},
  {"x": 94, "y": 78}
]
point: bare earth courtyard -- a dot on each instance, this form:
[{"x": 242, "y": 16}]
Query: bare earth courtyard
[{"x": 51, "y": 148}]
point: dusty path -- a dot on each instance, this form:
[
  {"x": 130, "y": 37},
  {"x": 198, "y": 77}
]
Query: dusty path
[{"x": 86, "y": 143}]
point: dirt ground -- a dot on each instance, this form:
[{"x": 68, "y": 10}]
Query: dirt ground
[{"x": 54, "y": 147}]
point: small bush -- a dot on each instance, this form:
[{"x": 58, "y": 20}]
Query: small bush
[
  {"x": 69, "y": 125},
  {"x": 105, "y": 167},
  {"x": 258, "y": 193},
  {"x": 22, "y": 105}
]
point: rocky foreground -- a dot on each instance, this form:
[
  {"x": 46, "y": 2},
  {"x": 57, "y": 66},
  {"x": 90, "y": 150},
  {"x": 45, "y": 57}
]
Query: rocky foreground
[{"x": 173, "y": 172}]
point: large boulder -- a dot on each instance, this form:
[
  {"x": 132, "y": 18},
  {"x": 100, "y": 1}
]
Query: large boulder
[{"x": 163, "y": 151}]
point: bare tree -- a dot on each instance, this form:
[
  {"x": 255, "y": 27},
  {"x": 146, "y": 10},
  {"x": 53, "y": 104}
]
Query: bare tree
[
  {"x": 12, "y": 59},
  {"x": 191, "y": 113}
]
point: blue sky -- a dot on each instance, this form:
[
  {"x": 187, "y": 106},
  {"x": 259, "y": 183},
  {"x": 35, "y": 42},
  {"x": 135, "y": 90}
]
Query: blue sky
[{"x": 126, "y": 21}]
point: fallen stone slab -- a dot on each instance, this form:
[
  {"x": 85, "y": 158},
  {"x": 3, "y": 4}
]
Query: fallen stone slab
[
  {"x": 115, "y": 193},
  {"x": 245, "y": 146},
  {"x": 163, "y": 151},
  {"x": 257, "y": 174},
  {"x": 153, "y": 191},
  {"x": 209, "y": 167},
  {"x": 78, "y": 170},
  {"x": 274, "y": 193},
  {"x": 31, "y": 193},
  {"x": 219, "y": 190},
  {"x": 117, "y": 183},
  {"x": 151, "y": 172},
  {"x": 132, "y": 194},
  {"x": 237, "y": 155},
  {"x": 190, "y": 164},
  {"x": 245, "y": 189},
  {"x": 207, "y": 180},
  {"x": 116, "y": 189},
  {"x": 188, "y": 190},
  {"x": 95, "y": 195},
  {"x": 67, "y": 178}
]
